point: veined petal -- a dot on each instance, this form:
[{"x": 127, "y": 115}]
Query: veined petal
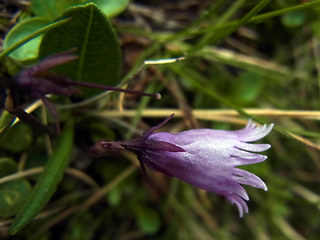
[
  {"x": 247, "y": 155},
  {"x": 162, "y": 146},
  {"x": 250, "y": 124},
  {"x": 156, "y": 167},
  {"x": 240, "y": 203},
  {"x": 253, "y": 133},
  {"x": 247, "y": 178},
  {"x": 253, "y": 147},
  {"x": 237, "y": 161},
  {"x": 237, "y": 189}
]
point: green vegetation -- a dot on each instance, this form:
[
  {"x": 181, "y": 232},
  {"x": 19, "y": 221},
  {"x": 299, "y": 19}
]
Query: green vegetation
[{"x": 237, "y": 60}]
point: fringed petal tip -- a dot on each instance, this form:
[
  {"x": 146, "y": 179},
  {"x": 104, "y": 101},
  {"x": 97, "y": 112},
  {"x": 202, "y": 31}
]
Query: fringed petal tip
[
  {"x": 240, "y": 203},
  {"x": 252, "y": 147},
  {"x": 250, "y": 124},
  {"x": 247, "y": 178},
  {"x": 252, "y": 132}
]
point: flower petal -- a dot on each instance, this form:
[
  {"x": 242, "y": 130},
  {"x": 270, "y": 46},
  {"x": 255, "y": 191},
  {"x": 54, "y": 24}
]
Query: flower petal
[
  {"x": 253, "y": 133},
  {"x": 237, "y": 189},
  {"x": 207, "y": 158},
  {"x": 253, "y": 147},
  {"x": 247, "y": 178},
  {"x": 247, "y": 157},
  {"x": 156, "y": 167},
  {"x": 240, "y": 203}
]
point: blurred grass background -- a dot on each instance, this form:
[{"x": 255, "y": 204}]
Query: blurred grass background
[{"x": 264, "y": 66}]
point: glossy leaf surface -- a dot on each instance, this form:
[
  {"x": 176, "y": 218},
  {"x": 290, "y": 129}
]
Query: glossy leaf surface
[{"x": 21, "y": 30}]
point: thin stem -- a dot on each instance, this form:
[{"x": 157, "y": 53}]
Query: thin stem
[
  {"x": 110, "y": 88},
  {"x": 212, "y": 114},
  {"x": 33, "y": 171},
  {"x": 90, "y": 201}
]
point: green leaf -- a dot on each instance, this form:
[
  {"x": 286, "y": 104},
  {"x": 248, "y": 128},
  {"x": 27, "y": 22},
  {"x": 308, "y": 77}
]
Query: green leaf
[
  {"x": 12, "y": 194},
  {"x": 294, "y": 19},
  {"x": 78, "y": 226},
  {"x": 111, "y": 7},
  {"x": 52, "y": 9},
  {"x": 48, "y": 181},
  {"x": 96, "y": 42},
  {"x": 114, "y": 196},
  {"x": 148, "y": 220},
  {"x": 7, "y": 166},
  {"x": 17, "y": 138},
  {"x": 28, "y": 38},
  {"x": 5, "y": 119},
  {"x": 20, "y": 31},
  {"x": 44, "y": 8},
  {"x": 248, "y": 87}
]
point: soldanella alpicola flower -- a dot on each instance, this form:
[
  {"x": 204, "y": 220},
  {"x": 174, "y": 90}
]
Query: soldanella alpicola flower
[{"x": 204, "y": 158}]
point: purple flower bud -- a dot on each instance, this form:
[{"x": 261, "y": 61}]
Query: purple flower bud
[{"x": 205, "y": 158}]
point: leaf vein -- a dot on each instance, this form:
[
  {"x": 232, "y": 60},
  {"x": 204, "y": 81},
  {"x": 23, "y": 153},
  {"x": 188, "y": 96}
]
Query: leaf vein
[{"x": 84, "y": 47}]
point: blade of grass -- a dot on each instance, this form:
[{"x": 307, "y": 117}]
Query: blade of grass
[
  {"x": 214, "y": 8},
  {"x": 307, "y": 194},
  {"x": 280, "y": 12},
  {"x": 218, "y": 36},
  {"x": 96, "y": 196},
  {"x": 261, "y": 17},
  {"x": 254, "y": 64},
  {"x": 289, "y": 231},
  {"x": 47, "y": 182},
  {"x": 201, "y": 84},
  {"x": 221, "y": 20}
]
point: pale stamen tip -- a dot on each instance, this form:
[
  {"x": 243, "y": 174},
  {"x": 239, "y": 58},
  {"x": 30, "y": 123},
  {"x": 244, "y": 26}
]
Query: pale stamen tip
[{"x": 157, "y": 96}]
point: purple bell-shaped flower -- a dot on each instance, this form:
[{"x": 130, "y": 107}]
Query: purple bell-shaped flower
[{"x": 205, "y": 158}]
